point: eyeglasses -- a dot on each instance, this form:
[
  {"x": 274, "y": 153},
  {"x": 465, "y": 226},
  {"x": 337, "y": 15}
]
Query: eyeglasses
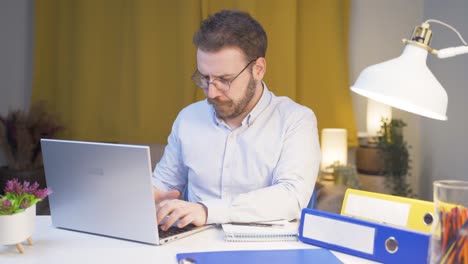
[{"x": 220, "y": 83}]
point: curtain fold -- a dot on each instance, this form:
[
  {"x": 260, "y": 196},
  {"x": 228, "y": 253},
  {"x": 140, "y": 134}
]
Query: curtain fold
[{"x": 119, "y": 70}]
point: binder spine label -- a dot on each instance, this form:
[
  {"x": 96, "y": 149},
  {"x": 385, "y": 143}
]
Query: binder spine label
[
  {"x": 395, "y": 213},
  {"x": 344, "y": 233}
]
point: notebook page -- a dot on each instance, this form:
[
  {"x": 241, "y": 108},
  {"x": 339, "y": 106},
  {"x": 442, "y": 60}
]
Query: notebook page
[{"x": 236, "y": 232}]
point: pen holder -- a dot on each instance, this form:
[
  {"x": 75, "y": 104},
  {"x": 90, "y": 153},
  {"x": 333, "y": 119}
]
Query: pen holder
[{"x": 449, "y": 233}]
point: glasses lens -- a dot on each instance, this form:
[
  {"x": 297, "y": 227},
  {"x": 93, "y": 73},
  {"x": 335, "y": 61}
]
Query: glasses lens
[
  {"x": 199, "y": 80},
  {"x": 222, "y": 85},
  {"x": 203, "y": 82}
]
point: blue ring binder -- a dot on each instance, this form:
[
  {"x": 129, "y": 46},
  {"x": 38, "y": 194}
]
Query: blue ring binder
[{"x": 370, "y": 240}]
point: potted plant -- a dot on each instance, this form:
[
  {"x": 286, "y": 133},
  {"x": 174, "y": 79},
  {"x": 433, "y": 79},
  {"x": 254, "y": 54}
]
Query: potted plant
[
  {"x": 395, "y": 157},
  {"x": 18, "y": 211},
  {"x": 345, "y": 175},
  {"x": 20, "y": 135}
]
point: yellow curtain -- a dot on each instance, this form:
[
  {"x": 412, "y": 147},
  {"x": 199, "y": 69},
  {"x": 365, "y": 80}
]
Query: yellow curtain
[{"x": 119, "y": 70}]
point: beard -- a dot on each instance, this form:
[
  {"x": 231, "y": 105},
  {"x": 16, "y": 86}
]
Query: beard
[{"x": 229, "y": 109}]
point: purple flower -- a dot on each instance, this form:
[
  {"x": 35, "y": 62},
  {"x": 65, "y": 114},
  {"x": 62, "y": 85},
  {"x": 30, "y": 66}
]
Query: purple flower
[
  {"x": 25, "y": 204},
  {"x": 6, "y": 203},
  {"x": 42, "y": 193},
  {"x": 15, "y": 187},
  {"x": 30, "y": 189},
  {"x": 21, "y": 196}
]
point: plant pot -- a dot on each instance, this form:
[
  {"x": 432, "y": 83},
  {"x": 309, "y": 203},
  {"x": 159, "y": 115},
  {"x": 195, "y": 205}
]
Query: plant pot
[
  {"x": 17, "y": 228},
  {"x": 369, "y": 160},
  {"x": 374, "y": 183},
  {"x": 33, "y": 175}
]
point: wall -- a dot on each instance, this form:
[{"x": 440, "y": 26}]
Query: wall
[
  {"x": 377, "y": 28},
  {"x": 16, "y": 43},
  {"x": 445, "y": 143}
]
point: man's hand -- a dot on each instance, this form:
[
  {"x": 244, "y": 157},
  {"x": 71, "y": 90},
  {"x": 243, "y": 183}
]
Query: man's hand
[
  {"x": 160, "y": 196},
  {"x": 170, "y": 211}
]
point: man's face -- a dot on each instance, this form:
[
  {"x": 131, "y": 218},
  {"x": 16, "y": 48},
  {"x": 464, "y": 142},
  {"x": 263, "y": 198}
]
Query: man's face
[{"x": 226, "y": 64}]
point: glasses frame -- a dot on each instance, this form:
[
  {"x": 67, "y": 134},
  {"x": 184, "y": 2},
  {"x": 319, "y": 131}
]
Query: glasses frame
[{"x": 223, "y": 85}]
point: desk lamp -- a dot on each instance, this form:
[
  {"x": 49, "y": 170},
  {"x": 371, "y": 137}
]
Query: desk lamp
[
  {"x": 406, "y": 82},
  {"x": 334, "y": 147}
]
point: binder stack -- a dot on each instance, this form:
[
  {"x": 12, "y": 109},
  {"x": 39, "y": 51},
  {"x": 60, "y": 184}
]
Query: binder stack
[{"x": 378, "y": 242}]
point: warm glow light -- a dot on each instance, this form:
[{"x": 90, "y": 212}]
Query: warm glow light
[
  {"x": 375, "y": 113},
  {"x": 334, "y": 146}
]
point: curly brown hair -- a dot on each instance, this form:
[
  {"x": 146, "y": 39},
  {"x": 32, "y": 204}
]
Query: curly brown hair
[{"x": 232, "y": 28}]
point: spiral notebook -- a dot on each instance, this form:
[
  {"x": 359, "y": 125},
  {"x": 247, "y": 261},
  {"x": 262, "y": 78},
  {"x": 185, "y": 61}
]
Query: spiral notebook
[{"x": 264, "y": 231}]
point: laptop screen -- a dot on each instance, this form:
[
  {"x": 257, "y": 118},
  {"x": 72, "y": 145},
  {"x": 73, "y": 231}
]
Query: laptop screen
[{"x": 101, "y": 188}]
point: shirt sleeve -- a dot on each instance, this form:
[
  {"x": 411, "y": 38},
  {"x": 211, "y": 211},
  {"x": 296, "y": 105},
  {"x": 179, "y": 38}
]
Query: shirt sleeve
[
  {"x": 292, "y": 184},
  {"x": 170, "y": 173}
]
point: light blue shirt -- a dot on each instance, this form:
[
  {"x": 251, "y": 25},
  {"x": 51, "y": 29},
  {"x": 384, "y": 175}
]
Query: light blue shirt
[{"x": 263, "y": 170}]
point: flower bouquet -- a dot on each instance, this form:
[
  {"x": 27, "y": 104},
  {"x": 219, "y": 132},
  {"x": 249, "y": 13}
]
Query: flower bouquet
[{"x": 18, "y": 211}]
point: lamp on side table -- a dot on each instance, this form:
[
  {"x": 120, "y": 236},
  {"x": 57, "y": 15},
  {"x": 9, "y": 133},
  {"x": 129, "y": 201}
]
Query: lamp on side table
[{"x": 369, "y": 157}]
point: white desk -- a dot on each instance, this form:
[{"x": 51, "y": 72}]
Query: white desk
[{"x": 52, "y": 245}]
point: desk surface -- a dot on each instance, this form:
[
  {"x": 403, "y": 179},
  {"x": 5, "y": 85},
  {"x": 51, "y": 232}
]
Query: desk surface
[{"x": 52, "y": 245}]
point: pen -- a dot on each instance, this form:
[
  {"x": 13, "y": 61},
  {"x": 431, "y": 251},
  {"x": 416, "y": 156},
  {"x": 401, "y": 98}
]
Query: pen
[{"x": 256, "y": 224}]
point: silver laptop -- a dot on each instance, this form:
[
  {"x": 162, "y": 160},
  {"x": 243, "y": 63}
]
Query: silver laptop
[{"x": 104, "y": 189}]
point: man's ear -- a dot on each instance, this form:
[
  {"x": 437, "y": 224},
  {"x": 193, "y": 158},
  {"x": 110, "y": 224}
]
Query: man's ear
[{"x": 259, "y": 69}]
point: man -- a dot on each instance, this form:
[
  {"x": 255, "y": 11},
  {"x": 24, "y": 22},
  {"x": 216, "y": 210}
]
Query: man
[{"x": 243, "y": 154}]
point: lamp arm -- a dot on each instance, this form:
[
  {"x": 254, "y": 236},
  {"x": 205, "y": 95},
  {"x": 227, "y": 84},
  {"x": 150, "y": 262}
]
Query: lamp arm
[
  {"x": 448, "y": 26},
  {"x": 452, "y": 51}
]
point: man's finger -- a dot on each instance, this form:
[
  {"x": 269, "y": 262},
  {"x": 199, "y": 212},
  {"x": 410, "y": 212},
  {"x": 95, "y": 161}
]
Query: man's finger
[
  {"x": 162, "y": 204},
  {"x": 160, "y": 196},
  {"x": 173, "y": 217},
  {"x": 173, "y": 194},
  {"x": 165, "y": 210},
  {"x": 185, "y": 221}
]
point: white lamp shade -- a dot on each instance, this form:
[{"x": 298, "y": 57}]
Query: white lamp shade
[
  {"x": 405, "y": 83},
  {"x": 375, "y": 113},
  {"x": 334, "y": 146}
]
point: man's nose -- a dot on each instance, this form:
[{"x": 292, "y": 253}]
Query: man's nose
[{"x": 212, "y": 91}]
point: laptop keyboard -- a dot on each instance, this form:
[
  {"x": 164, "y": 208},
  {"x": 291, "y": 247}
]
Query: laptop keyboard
[{"x": 174, "y": 231}]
